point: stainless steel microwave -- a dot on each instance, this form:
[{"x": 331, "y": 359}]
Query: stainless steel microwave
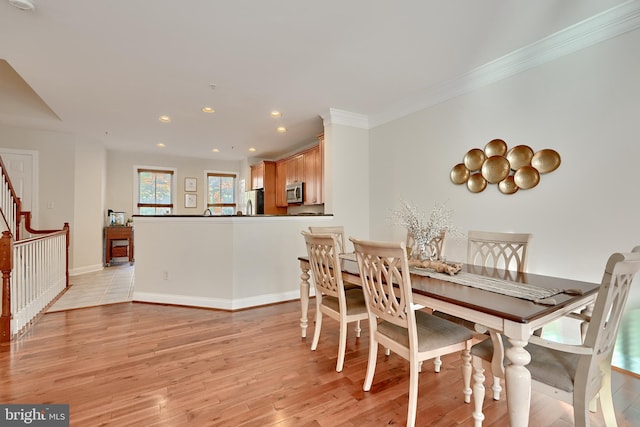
[{"x": 295, "y": 193}]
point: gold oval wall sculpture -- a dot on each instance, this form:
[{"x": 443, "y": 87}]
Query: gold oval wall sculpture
[
  {"x": 512, "y": 170},
  {"x": 476, "y": 183},
  {"x": 526, "y": 177},
  {"x": 546, "y": 160},
  {"x": 474, "y": 159},
  {"x": 460, "y": 174},
  {"x": 495, "y": 147},
  {"x": 507, "y": 185},
  {"x": 495, "y": 169},
  {"x": 519, "y": 156}
]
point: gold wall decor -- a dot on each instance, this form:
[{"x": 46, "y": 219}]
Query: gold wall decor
[{"x": 514, "y": 169}]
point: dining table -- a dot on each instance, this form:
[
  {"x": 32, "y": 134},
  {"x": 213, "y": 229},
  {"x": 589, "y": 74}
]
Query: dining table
[{"x": 515, "y": 317}]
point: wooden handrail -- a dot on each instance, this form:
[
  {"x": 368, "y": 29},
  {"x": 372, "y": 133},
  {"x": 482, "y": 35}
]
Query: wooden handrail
[
  {"x": 14, "y": 197},
  {"x": 6, "y": 265},
  {"x": 29, "y": 229}
]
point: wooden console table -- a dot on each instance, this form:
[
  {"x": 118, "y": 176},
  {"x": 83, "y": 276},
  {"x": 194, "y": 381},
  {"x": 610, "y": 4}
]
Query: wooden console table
[{"x": 113, "y": 234}]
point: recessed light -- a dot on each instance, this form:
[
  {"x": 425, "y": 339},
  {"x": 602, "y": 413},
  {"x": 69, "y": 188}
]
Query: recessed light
[
  {"x": 208, "y": 110},
  {"x": 215, "y": 150},
  {"x": 281, "y": 129},
  {"x": 252, "y": 149},
  {"x": 160, "y": 144},
  {"x": 22, "y": 4},
  {"x": 276, "y": 113},
  {"x": 165, "y": 119}
]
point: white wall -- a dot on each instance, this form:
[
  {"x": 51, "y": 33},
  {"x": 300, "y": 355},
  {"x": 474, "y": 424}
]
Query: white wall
[
  {"x": 70, "y": 188},
  {"x": 56, "y": 157},
  {"x": 346, "y": 175},
  {"x": 86, "y": 235},
  {"x": 120, "y": 178},
  {"x": 586, "y": 106},
  {"x": 220, "y": 262}
]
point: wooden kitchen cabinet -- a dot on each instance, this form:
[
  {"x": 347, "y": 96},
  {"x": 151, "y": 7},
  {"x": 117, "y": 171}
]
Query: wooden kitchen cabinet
[
  {"x": 257, "y": 176},
  {"x": 295, "y": 169},
  {"x": 263, "y": 176},
  {"x": 281, "y": 183},
  {"x": 312, "y": 176},
  {"x": 307, "y": 167}
]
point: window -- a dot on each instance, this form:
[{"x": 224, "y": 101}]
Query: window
[
  {"x": 155, "y": 192},
  {"x": 221, "y": 193}
]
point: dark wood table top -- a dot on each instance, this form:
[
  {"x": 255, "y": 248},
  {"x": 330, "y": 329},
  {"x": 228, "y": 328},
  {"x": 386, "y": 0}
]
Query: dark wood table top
[{"x": 491, "y": 303}]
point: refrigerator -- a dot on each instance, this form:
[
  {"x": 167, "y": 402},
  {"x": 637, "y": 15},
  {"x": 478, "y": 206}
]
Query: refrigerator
[{"x": 254, "y": 202}]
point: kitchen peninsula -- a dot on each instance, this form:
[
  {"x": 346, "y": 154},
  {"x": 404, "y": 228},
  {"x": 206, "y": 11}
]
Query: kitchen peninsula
[{"x": 223, "y": 262}]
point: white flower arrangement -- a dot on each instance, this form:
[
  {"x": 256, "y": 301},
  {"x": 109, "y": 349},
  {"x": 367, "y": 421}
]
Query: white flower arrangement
[{"x": 423, "y": 231}]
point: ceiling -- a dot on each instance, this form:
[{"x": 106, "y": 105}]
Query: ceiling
[{"x": 106, "y": 70}]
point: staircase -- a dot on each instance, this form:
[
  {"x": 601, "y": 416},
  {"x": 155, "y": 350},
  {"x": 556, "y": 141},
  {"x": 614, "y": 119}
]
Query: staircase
[{"x": 34, "y": 264}]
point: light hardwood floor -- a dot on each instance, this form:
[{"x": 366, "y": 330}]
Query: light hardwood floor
[{"x": 134, "y": 364}]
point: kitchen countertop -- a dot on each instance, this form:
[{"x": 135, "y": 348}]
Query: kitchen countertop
[{"x": 233, "y": 216}]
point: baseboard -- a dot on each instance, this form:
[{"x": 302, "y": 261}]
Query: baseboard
[
  {"x": 86, "y": 269},
  {"x": 625, "y": 372},
  {"x": 217, "y": 303}
]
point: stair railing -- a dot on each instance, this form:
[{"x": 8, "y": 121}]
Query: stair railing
[{"x": 34, "y": 270}]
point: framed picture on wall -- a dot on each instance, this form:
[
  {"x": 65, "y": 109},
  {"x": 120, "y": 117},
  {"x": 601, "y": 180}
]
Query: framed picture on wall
[
  {"x": 190, "y": 201},
  {"x": 190, "y": 184}
]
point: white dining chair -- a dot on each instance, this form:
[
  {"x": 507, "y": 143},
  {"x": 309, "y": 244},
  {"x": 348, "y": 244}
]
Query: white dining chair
[
  {"x": 394, "y": 321},
  {"x": 332, "y": 299},
  {"x": 338, "y": 230},
  {"x": 497, "y": 250},
  {"x": 436, "y": 245},
  {"x": 500, "y": 252},
  {"x": 576, "y": 374}
]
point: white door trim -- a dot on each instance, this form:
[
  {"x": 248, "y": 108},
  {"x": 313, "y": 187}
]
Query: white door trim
[{"x": 34, "y": 181}]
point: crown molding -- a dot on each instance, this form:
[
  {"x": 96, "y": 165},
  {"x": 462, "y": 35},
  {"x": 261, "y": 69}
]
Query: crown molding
[
  {"x": 603, "y": 26},
  {"x": 347, "y": 118}
]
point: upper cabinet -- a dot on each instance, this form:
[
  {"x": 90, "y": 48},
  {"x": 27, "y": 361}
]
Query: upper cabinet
[
  {"x": 263, "y": 176},
  {"x": 312, "y": 176},
  {"x": 307, "y": 167},
  {"x": 281, "y": 183},
  {"x": 295, "y": 169},
  {"x": 257, "y": 176}
]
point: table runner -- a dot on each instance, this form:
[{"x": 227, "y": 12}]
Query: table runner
[
  {"x": 533, "y": 293},
  {"x": 505, "y": 287}
]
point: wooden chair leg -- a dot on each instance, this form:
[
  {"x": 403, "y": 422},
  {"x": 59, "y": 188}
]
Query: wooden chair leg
[
  {"x": 606, "y": 400},
  {"x": 413, "y": 394},
  {"x": 497, "y": 389},
  {"x": 358, "y": 330},
  {"x": 342, "y": 346},
  {"x": 371, "y": 365},
  {"x": 437, "y": 363},
  {"x": 316, "y": 333}
]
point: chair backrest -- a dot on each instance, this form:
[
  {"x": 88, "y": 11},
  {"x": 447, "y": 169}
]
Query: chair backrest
[
  {"x": 384, "y": 271},
  {"x": 436, "y": 245},
  {"x": 325, "y": 265},
  {"x": 338, "y": 230},
  {"x": 498, "y": 250},
  {"x": 605, "y": 322}
]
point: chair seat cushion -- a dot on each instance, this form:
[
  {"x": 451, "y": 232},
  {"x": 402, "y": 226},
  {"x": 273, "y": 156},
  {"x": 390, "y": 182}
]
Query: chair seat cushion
[
  {"x": 433, "y": 332},
  {"x": 553, "y": 367},
  {"x": 355, "y": 302}
]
